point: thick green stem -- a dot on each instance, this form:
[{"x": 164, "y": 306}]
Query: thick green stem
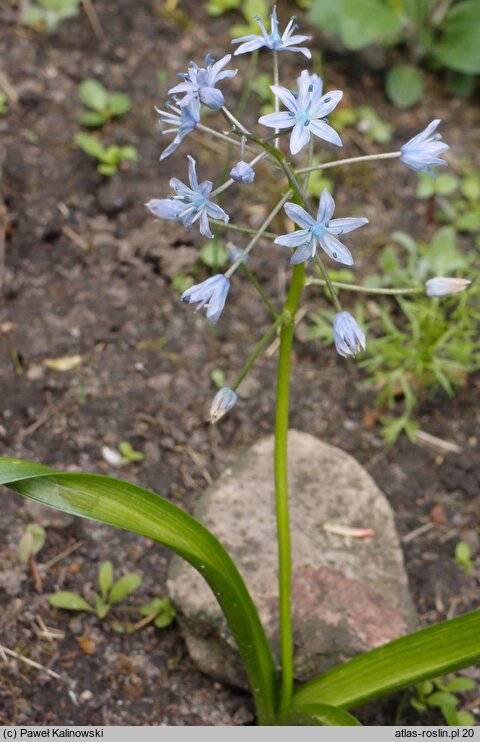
[{"x": 281, "y": 484}]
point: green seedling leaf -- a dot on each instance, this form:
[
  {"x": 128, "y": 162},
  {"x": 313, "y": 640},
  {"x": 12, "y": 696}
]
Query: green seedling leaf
[
  {"x": 463, "y": 557},
  {"x": 460, "y": 685},
  {"x": 418, "y": 705},
  {"x": 470, "y": 187},
  {"x": 450, "y": 714},
  {"x": 213, "y": 254},
  {"x": 370, "y": 124},
  {"x": 465, "y": 719},
  {"x": 107, "y": 169},
  {"x": 93, "y": 95},
  {"x": 404, "y": 85},
  {"x": 128, "y": 506},
  {"x": 128, "y": 153},
  {"x": 34, "y": 17},
  {"x": 101, "y": 607},
  {"x": 91, "y": 145},
  {"x": 3, "y": 103},
  {"x": 441, "y": 699},
  {"x": 129, "y": 453},
  {"x": 180, "y": 282},
  {"x": 69, "y": 602},
  {"x": 218, "y": 7},
  {"x": 118, "y": 104},
  {"x": 124, "y": 586},
  {"x": 218, "y": 378},
  {"x": 105, "y": 578},
  {"x": 31, "y": 542},
  {"x": 164, "y": 610},
  {"x": 90, "y": 118}
]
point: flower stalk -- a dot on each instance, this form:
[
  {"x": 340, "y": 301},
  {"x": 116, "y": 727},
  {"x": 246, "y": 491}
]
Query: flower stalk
[{"x": 282, "y": 411}]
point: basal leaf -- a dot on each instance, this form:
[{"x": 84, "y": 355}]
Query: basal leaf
[
  {"x": 319, "y": 714},
  {"x": 428, "y": 653}
]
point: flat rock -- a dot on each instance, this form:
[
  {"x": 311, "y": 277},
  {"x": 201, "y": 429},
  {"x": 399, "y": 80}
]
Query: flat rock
[{"x": 349, "y": 594}]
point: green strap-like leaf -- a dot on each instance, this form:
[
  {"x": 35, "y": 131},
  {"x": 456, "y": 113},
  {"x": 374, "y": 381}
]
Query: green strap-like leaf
[
  {"x": 133, "y": 508},
  {"x": 320, "y": 715},
  {"x": 428, "y": 653}
]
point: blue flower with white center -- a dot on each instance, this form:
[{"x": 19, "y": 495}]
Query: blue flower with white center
[
  {"x": 287, "y": 42},
  {"x": 348, "y": 335},
  {"x": 441, "y": 286},
  {"x": 423, "y": 151},
  {"x": 211, "y": 294},
  {"x": 189, "y": 204},
  {"x": 242, "y": 172},
  {"x": 180, "y": 121},
  {"x": 306, "y": 112},
  {"x": 323, "y": 230},
  {"x": 200, "y": 82},
  {"x": 222, "y": 403}
]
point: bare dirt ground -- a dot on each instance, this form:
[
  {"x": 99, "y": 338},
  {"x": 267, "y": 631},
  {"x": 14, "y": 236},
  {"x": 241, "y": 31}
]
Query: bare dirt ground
[{"x": 87, "y": 271}]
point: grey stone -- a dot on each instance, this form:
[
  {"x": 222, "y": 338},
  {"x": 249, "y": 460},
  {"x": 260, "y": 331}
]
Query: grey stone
[{"x": 349, "y": 595}]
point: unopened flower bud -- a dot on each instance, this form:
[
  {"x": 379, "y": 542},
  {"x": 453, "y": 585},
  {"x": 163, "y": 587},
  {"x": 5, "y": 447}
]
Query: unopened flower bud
[
  {"x": 222, "y": 403},
  {"x": 242, "y": 172},
  {"x": 440, "y": 286},
  {"x": 347, "y": 334}
]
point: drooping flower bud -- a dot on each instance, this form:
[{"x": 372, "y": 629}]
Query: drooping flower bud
[
  {"x": 211, "y": 294},
  {"x": 441, "y": 286},
  {"x": 242, "y": 172},
  {"x": 348, "y": 336},
  {"x": 222, "y": 403}
]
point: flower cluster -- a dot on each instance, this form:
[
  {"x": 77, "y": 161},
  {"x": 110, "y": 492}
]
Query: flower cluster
[{"x": 304, "y": 120}]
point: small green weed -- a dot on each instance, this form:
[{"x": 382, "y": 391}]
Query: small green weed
[
  {"x": 110, "y": 158},
  {"x": 463, "y": 557},
  {"x": 102, "y": 104},
  {"x": 110, "y": 593},
  {"x": 46, "y": 15},
  {"x": 444, "y": 695}
]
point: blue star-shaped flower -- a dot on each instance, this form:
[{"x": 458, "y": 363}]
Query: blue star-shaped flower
[
  {"x": 190, "y": 204},
  {"x": 180, "y": 121},
  {"x": 323, "y": 230},
  {"x": 211, "y": 294},
  {"x": 306, "y": 112},
  {"x": 273, "y": 40},
  {"x": 200, "y": 82},
  {"x": 423, "y": 151}
]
